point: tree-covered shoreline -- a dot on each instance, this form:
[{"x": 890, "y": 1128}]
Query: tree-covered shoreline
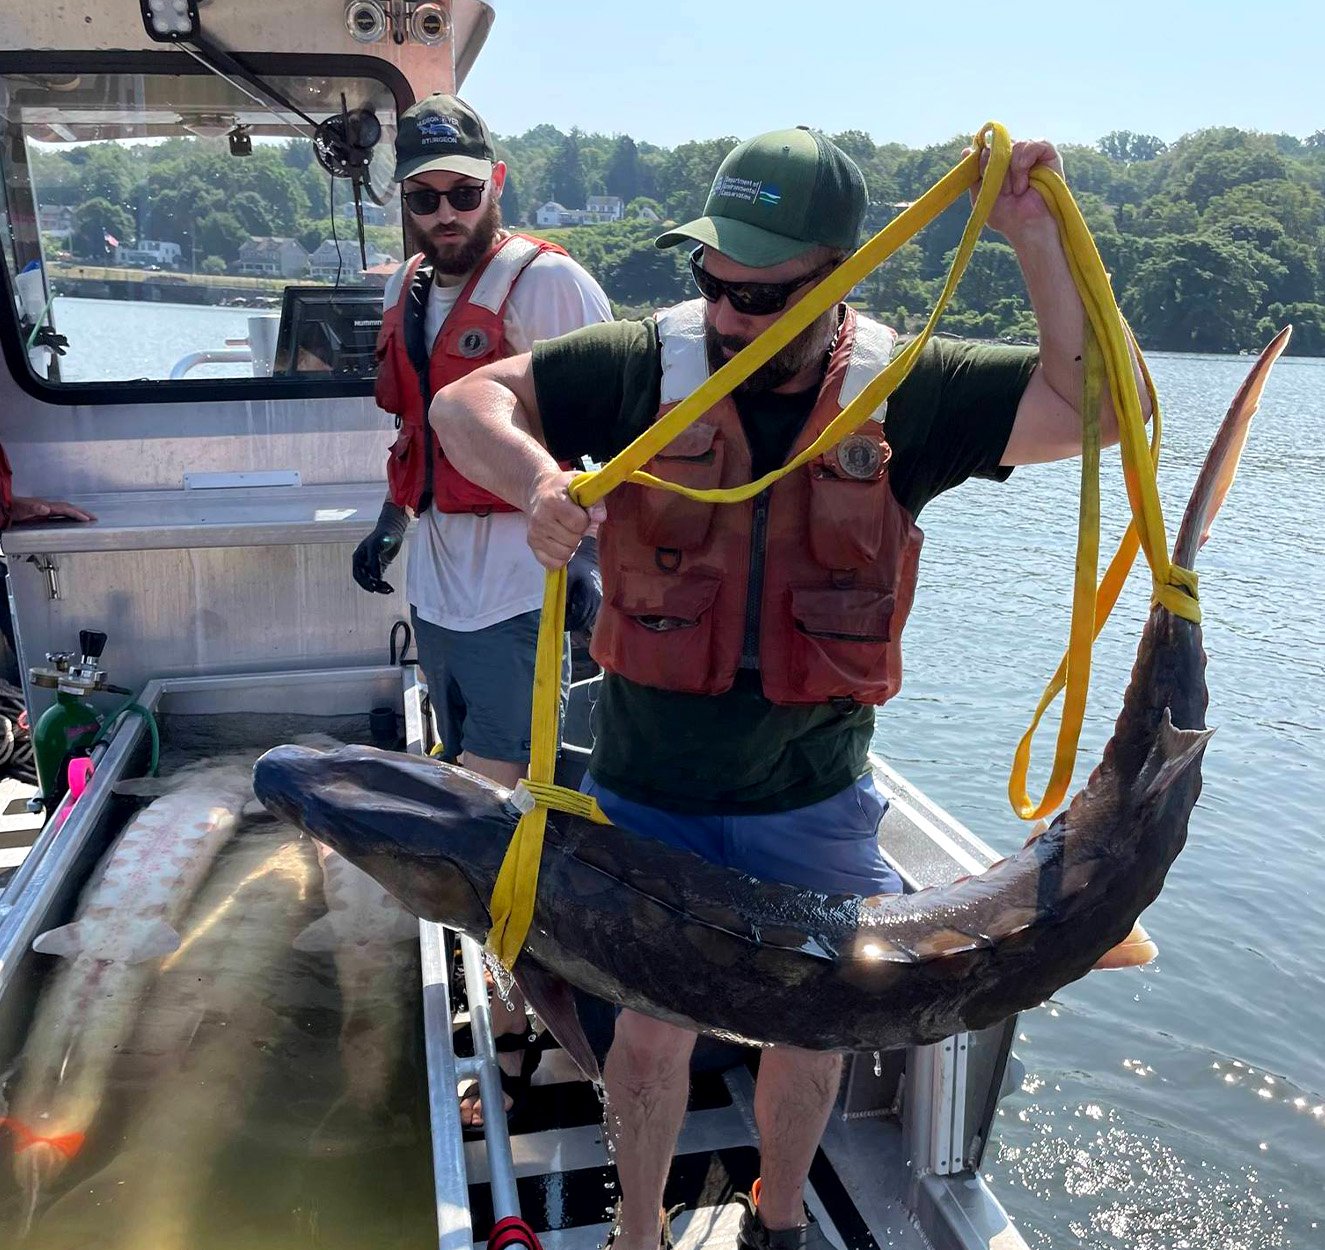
[{"x": 1212, "y": 241}]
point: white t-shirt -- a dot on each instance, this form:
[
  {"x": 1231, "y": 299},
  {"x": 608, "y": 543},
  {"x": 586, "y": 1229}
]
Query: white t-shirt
[{"x": 467, "y": 572}]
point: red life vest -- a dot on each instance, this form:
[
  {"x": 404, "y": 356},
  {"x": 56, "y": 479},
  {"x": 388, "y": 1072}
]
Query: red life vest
[
  {"x": 408, "y": 376},
  {"x": 6, "y": 489},
  {"x": 811, "y": 583}
]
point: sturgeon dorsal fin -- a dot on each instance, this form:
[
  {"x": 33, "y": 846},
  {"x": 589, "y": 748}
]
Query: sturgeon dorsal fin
[{"x": 1172, "y": 753}]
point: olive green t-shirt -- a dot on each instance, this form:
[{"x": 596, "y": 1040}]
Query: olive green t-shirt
[{"x": 736, "y": 753}]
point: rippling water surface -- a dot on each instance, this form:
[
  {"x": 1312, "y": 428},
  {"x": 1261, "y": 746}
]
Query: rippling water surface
[{"x": 1182, "y": 1105}]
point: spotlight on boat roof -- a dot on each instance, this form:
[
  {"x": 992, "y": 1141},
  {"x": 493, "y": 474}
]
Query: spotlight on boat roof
[
  {"x": 429, "y": 23},
  {"x": 366, "y": 20},
  {"x": 170, "y": 21}
]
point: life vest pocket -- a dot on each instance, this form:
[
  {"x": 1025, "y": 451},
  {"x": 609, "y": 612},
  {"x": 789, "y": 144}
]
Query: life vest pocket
[
  {"x": 693, "y": 459},
  {"x": 657, "y": 628},
  {"x": 388, "y": 389},
  {"x": 847, "y": 515},
  {"x": 840, "y": 641},
  {"x": 405, "y": 467}
]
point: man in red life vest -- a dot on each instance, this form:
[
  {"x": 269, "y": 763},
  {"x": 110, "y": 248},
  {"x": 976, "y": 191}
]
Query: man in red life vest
[
  {"x": 746, "y": 646},
  {"x": 476, "y": 293}
]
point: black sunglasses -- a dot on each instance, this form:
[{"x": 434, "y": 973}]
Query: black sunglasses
[
  {"x": 424, "y": 201},
  {"x": 751, "y": 299}
]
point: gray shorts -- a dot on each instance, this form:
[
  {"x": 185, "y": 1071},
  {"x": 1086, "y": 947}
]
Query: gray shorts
[{"x": 481, "y": 684}]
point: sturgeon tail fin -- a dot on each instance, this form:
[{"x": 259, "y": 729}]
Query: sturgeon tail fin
[{"x": 1221, "y": 462}]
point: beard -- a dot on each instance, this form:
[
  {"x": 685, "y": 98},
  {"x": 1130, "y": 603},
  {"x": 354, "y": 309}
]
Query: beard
[
  {"x": 807, "y": 347},
  {"x": 460, "y": 248}
]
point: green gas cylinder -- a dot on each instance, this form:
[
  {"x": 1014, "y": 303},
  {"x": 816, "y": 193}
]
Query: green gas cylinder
[{"x": 67, "y": 728}]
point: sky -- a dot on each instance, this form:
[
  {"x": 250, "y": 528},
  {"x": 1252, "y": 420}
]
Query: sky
[{"x": 912, "y": 73}]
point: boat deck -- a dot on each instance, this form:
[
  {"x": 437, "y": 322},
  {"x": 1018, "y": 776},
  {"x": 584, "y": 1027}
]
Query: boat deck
[{"x": 567, "y": 1185}]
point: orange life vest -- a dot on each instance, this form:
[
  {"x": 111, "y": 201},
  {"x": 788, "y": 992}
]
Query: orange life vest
[
  {"x": 408, "y": 376},
  {"x": 810, "y": 583}
]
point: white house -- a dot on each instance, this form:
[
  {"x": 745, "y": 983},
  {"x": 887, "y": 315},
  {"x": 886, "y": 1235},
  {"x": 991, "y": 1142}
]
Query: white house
[
  {"x": 146, "y": 252},
  {"x": 330, "y": 259},
  {"x": 600, "y": 208},
  {"x": 645, "y": 213},
  {"x": 271, "y": 257},
  {"x": 554, "y": 214},
  {"x": 604, "y": 208}
]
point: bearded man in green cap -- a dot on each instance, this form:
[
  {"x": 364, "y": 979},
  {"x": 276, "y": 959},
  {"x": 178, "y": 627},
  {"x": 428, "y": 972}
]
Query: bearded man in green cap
[{"x": 746, "y": 646}]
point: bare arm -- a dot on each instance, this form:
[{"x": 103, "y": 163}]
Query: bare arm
[
  {"x": 1048, "y": 423},
  {"x": 489, "y": 428}
]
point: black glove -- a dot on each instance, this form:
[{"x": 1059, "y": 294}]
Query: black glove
[
  {"x": 584, "y": 590},
  {"x": 372, "y": 556}
]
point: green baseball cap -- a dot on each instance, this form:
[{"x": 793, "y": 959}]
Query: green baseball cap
[
  {"x": 776, "y": 196},
  {"x": 443, "y": 132}
]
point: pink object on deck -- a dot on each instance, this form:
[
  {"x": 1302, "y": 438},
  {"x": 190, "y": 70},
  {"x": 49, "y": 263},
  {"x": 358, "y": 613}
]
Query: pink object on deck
[{"x": 80, "y": 773}]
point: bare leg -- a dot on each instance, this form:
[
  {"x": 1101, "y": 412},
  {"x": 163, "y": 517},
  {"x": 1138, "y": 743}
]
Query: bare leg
[
  {"x": 504, "y": 1019},
  {"x": 794, "y": 1094},
  {"x": 648, "y": 1083},
  {"x": 504, "y": 772}
]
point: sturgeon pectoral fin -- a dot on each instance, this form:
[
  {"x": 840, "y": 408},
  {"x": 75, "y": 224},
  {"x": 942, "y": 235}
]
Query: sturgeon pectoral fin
[
  {"x": 134, "y": 944},
  {"x": 1133, "y": 951},
  {"x": 65, "y": 941},
  {"x": 553, "y": 1001},
  {"x": 156, "y": 940}
]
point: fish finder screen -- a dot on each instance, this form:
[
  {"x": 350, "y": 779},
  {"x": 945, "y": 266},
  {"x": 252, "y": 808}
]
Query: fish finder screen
[{"x": 323, "y": 331}]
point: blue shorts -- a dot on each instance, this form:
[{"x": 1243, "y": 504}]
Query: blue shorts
[
  {"x": 481, "y": 684},
  {"x": 831, "y": 845}
]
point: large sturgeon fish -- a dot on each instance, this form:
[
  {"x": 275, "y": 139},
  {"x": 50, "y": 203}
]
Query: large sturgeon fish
[
  {"x": 127, "y": 921},
  {"x": 218, "y": 1012},
  {"x": 665, "y": 933}
]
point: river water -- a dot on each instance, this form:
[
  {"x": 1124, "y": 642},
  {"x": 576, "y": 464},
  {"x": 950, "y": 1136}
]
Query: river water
[{"x": 1181, "y": 1105}]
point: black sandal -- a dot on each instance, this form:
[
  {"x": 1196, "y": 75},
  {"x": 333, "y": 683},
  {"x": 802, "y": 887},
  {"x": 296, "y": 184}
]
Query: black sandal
[{"x": 515, "y": 1085}]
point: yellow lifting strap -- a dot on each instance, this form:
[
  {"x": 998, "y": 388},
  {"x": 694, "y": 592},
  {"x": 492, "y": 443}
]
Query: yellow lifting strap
[{"x": 1108, "y": 361}]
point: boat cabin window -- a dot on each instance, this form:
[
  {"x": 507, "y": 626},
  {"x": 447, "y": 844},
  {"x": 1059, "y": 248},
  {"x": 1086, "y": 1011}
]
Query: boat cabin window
[{"x": 172, "y": 228}]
